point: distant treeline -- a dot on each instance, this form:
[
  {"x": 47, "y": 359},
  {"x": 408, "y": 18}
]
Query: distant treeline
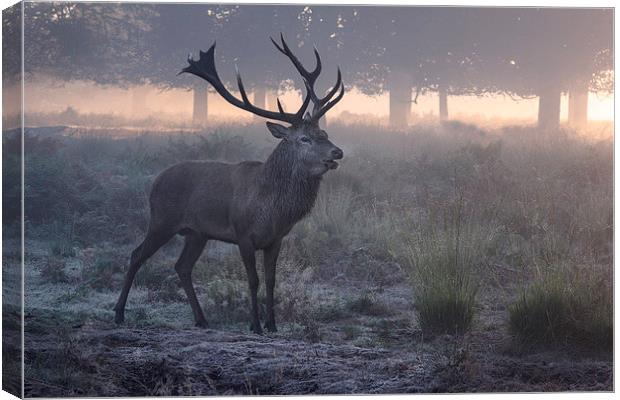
[{"x": 403, "y": 51}]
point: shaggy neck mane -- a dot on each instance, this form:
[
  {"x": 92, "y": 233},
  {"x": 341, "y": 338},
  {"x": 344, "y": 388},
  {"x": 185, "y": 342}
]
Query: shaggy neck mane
[{"x": 292, "y": 189}]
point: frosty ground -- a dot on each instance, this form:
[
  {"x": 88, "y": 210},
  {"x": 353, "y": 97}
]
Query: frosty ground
[
  {"x": 536, "y": 208},
  {"x": 349, "y": 353}
]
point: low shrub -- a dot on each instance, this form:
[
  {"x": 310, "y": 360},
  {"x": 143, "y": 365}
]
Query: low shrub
[
  {"x": 328, "y": 226},
  {"x": 442, "y": 259},
  {"x": 226, "y": 301},
  {"x": 328, "y": 311},
  {"x": 351, "y": 332},
  {"x": 62, "y": 239},
  {"x": 294, "y": 298},
  {"x": 53, "y": 271},
  {"x": 160, "y": 280},
  {"x": 152, "y": 275},
  {"x": 368, "y": 304},
  {"x": 565, "y": 308},
  {"x": 106, "y": 274}
]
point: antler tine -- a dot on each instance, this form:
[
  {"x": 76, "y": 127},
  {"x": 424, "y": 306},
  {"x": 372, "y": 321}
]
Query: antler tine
[
  {"x": 302, "y": 109},
  {"x": 319, "y": 65},
  {"x": 280, "y": 105},
  {"x": 308, "y": 77},
  {"x": 205, "y": 69},
  {"x": 334, "y": 89},
  {"x": 330, "y": 104},
  {"x": 319, "y": 103},
  {"x": 278, "y": 46},
  {"x": 244, "y": 95},
  {"x": 305, "y": 74}
]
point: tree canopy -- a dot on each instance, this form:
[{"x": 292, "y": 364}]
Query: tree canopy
[{"x": 458, "y": 50}]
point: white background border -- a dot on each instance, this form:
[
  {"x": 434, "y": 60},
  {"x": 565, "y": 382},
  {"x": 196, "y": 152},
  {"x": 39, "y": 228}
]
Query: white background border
[{"x": 487, "y": 3}]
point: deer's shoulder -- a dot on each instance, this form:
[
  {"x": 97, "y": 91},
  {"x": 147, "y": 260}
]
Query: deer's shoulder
[
  {"x": 250, "y": 164},
  {"x": 190, "y": 173},
  {"x": 247, "y": 169}
]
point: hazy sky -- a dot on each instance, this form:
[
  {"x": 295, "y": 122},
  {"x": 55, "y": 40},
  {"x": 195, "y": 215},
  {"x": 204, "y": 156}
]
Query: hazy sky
[
  {"x": 177, "y": 104},
  {"x": 455, "y": 50}
]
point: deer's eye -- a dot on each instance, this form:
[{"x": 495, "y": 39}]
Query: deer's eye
[{"x": 305, "y": 139}]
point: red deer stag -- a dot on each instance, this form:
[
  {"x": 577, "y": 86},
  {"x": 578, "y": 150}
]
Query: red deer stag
[{"x": 251, "y": 204}]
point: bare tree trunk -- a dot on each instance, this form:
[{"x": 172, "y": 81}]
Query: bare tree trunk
[
  {"x": 549, "y": 106},
  {"x": 443, "y": 104},
  {"x": 578, "y": 105},
  {"x": 260, "y": 99},
  {"x": 201, "y": 105},
  {"x": 272, "y": 96},
  {"x": 400, "y": 99},
  {"x": 138, "y": 101}
]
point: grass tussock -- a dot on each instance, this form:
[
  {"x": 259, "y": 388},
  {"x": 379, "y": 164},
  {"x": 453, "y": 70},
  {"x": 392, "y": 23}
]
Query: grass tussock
[
  {"x": 565, "y": 308},
  {"x": 443, "y": 259}
]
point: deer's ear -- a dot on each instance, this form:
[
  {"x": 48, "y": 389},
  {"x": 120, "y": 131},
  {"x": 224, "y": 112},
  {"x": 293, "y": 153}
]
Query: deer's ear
[{"x": 277, "y": 130}]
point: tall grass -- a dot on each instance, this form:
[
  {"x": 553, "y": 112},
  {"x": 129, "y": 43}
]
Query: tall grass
[
  {"x": 443, "y": 256},
  {"x": 339, "y": 219},
  {"x": 565, "y": 305},
  {"x": 389, "y": 205}
]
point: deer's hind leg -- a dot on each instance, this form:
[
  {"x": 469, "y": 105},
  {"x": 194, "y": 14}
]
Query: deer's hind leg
[
  {"x": 194, "y": 245},
  {"x": 247, "y": 250},
  {"x": 152, "y": 242},
  {"x": 270, "y": 256}
]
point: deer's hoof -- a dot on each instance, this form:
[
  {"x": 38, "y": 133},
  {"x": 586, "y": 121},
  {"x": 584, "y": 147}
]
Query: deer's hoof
[
  {"x": 202, "y": 324},
  {"x": 119, "y": 318},
  {"x": 271, "y": 327},
  {"x": 256, "y": 329}
]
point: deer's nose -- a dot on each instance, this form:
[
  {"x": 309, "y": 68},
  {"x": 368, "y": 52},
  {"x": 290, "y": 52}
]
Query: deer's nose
[{"x": 337, "y": 154}]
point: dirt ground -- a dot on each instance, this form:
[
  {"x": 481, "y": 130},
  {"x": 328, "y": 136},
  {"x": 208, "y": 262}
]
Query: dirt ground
[
  {"x": 163, "y": 361},
  {"x": 386, "y": 353}
]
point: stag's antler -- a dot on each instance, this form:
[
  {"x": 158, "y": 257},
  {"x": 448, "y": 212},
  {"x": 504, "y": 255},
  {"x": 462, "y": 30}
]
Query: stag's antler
[
  {"x": 321, "y": 105},
  {"x": 205, "y": 68}
]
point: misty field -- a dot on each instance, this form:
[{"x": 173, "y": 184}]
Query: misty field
[{"x": 444, "y": 258}]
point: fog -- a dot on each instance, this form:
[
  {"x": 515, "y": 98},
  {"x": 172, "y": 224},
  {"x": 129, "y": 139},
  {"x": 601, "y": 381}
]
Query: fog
[
  {"x": 493, "y": 65},
  {"x": 176, "y": 104},
  {"x": 447, "y": 227}
]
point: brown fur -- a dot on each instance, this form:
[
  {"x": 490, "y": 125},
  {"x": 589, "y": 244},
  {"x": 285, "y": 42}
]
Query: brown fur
[{"x": 251, "y": 204}]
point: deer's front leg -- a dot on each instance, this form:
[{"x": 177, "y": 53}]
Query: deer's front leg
[
  {"x": 271, "y": 257},
  {"x": 247, "y": 251}
]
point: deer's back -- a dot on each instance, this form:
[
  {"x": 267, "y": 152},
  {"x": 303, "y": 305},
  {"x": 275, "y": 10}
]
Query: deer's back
[{"x": 199, "y": 195}]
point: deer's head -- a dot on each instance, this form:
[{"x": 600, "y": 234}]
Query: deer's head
[
  {"x": 308, "y": 145},
  {"x": 303, "y": 139}
]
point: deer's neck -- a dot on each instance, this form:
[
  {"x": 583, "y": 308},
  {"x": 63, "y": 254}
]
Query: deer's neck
[{"x": 289, "y": 185}]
